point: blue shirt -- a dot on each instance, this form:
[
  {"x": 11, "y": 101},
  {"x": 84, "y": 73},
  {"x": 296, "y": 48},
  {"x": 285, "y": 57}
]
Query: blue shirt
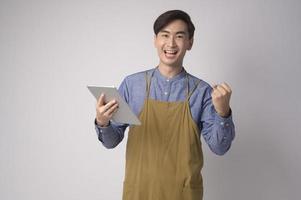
[{"x": 218, "y": 132}]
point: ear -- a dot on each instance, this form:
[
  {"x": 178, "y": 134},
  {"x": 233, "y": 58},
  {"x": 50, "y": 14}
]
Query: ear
[
  {"x": 155, "y": 40},
  {"x": 190, "y": 44}
]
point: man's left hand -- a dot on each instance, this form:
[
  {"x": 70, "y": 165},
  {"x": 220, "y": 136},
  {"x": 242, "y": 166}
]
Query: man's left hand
[{"x": 221, "y": 99}]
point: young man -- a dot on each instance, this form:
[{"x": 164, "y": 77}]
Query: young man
[{"x": 164, "y": 155}]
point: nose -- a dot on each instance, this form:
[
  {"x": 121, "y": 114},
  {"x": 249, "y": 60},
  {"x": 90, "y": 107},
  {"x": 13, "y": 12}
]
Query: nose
[{"x": 171, "y": 42}]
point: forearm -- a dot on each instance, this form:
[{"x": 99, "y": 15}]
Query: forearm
[{"x": 220, "y": 134}]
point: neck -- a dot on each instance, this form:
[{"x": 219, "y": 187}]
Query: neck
[{"x": 169, "y": 71}]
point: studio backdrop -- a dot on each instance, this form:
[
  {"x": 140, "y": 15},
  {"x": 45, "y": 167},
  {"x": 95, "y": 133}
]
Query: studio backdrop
[{"x": 51, "y": 50}]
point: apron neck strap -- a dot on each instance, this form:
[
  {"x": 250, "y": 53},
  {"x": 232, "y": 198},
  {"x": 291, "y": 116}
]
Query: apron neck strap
[
  {"x": 148, "y": 83},
  {"x": 188, "y": 94},
  {"x": 187, "y": 84},
  {"x": 193, "y": 89}
]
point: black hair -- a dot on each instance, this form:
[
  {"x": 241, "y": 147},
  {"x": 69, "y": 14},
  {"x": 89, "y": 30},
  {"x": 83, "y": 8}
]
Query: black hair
[{"x": 171, "y": 15}]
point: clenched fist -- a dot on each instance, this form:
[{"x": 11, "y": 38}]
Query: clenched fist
[
  {"x": 221, "y": 99},
  {"x": 105, "y": 111}
]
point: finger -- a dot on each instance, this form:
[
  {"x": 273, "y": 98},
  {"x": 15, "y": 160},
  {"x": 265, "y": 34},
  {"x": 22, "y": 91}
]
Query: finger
[
  {"x": 214, "y": 86},
  {"x": 101, "y": 100},
  {"x": 226, "y": 87},
  {"x": 111, "y": 110},
  {"x": 215, "y": 92},
  {"x": 109, "y": 105},
  {"x": 221, "y": 90}
]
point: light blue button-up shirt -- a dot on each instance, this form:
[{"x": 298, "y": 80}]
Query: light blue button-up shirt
[{"x": 218, "y": 132}]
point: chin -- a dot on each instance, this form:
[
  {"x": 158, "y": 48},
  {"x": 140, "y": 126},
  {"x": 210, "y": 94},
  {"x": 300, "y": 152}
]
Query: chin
[
  {"x": 171, "y": 62},
  {"x": 173, "y": 65}
]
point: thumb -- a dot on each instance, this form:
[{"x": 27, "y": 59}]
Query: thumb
[{"x": 101, "y": 100}]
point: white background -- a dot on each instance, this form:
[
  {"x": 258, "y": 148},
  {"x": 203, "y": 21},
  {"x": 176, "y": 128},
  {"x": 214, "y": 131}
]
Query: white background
[{"x": 50, "y": 51}]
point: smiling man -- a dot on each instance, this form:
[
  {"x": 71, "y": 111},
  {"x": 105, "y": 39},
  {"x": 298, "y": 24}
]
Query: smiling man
[{"x": 164, "y": 155}]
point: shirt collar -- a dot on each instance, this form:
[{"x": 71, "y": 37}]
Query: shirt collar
[{"x": 179, "y": 76}]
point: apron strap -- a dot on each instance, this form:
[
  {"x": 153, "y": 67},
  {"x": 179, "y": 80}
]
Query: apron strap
[
  {"x": 148, "y": 83},
  {"x": 187, "y": 84},
  {"x": 195, "y": 86}
]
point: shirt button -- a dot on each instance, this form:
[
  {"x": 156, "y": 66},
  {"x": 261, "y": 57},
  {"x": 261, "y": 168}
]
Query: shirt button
[
  {"x": 167, "y": 80},
  {"x": 165, "y": 93},
  {"x": 222, "y": 123},
  {"x": 227, "y": 124},
  {"x": 101, "y": 131}
]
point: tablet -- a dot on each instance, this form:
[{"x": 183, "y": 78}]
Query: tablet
[{"x": 124, "y": 113}]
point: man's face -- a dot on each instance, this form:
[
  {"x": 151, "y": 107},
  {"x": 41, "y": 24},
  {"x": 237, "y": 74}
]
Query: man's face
[{"x": 172, "y": 42}]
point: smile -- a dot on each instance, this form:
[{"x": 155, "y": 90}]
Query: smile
[{"x": 171, "y": 52}]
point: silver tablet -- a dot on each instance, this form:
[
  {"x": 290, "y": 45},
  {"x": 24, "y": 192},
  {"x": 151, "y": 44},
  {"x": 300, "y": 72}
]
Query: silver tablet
[{"x": 124, "y": 113}]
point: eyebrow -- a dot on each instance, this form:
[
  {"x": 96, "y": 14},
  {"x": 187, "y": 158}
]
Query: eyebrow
[{"x": 179, "y": 32}]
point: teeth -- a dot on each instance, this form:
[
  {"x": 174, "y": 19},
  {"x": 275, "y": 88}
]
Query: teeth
[{"x": 171, "y": 51}]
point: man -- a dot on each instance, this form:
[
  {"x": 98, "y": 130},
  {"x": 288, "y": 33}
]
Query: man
[{"x": 164, "y": 155}]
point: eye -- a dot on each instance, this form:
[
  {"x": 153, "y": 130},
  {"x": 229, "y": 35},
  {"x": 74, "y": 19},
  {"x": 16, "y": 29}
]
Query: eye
[
  {"x": 164, "y": 35},
  {"x": 180, "y": 36}
]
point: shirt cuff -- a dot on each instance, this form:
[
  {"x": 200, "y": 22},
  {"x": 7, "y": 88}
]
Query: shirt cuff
[
  {"x": 224, "y": 121},
  {"x": 102, "y": 129}
]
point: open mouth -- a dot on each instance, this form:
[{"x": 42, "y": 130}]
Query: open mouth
[{"x": 170, "y": 52}]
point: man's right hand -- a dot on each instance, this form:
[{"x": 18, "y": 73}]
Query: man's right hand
[{"x": 105, "y": 111}]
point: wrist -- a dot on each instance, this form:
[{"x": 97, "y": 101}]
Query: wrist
[
  {"x": 101, "y": 124},
  {"x": 225, "y": 114}
]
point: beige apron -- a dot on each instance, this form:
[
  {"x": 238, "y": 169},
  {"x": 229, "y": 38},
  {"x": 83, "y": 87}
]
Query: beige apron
[{"x": 164, "y": 155}]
